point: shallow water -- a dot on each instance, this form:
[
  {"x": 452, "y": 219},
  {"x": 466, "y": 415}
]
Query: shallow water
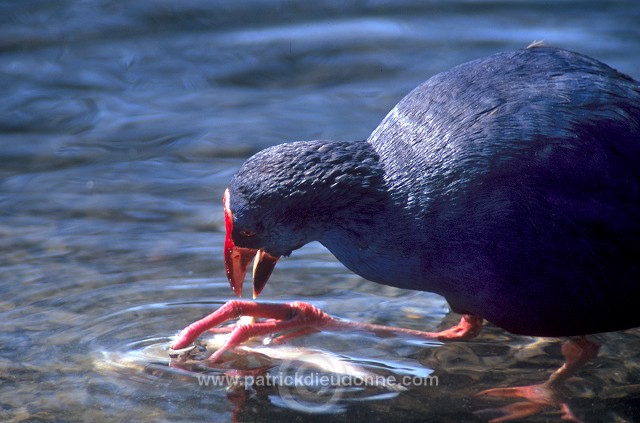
[{"x": 120, "y": 126}]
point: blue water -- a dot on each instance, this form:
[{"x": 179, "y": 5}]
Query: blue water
[{"x": 120, "y": 126}]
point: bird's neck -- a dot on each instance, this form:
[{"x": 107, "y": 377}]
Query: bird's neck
[{"x": 371, "y": 231}]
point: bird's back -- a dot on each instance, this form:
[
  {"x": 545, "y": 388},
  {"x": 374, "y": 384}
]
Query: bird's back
[{"x": 494, "y": 109}]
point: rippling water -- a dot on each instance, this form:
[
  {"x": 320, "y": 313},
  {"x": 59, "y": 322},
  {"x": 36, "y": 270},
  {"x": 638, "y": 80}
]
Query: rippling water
[{"x": 120, "y": 126}]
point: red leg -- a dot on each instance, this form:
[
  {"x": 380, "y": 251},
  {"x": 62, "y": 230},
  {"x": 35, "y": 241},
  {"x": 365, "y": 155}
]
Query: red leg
[
  {"x": 298, "y": 319},
  {"x": 539, "y": 397},
  {"x": 468, "y": 327}
]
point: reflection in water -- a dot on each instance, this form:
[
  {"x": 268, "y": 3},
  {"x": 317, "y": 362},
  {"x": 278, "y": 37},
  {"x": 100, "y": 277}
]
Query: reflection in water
[
  {"x": 120, "y": 125},
  {"x": 304, "y": 379}
]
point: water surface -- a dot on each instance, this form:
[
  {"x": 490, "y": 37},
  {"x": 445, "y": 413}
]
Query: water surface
[{"x": 120, "y": 126}]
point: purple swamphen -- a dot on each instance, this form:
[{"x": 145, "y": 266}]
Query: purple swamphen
[{"x": 509, "y": 185}]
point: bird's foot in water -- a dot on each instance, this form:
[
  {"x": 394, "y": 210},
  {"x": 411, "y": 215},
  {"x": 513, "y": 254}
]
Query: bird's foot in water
[
  {"x": 537, "y": 398},
  {"x": 469, "y": 327},
  {"x": 292, "y": 320}
]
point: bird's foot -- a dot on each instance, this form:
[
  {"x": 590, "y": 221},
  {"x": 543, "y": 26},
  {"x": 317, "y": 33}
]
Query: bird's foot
[
  {"x": 292, "y": 320},
  {"x": 468, "y": 327},
  {"x": 537, "y": 398}
]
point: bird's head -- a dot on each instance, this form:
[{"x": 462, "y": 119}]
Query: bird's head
[
  {"x": 285, "y": 197},
  {"x": 240, "y": 247}
]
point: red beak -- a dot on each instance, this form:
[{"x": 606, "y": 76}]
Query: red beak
[{"x": 237, "y": 259}]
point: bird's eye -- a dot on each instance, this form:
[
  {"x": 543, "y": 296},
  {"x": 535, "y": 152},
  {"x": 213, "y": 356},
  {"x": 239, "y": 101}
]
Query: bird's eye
[{"x": 247, "y": 233}]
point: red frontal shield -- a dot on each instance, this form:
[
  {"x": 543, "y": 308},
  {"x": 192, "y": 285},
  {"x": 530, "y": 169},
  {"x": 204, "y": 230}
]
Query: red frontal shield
[{"x": 237, "y": 259}]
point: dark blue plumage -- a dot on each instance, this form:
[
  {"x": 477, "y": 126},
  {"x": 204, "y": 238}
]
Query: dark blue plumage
[{"x": 510, "y": 185}]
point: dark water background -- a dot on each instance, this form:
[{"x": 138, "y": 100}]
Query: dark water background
[{"x": 120, "y": 126}]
